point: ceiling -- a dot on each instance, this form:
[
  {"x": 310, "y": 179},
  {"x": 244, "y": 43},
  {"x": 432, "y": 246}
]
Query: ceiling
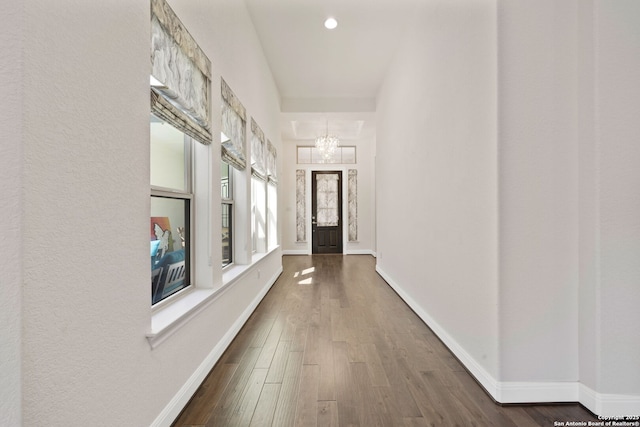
[
  {"x": 305, "y": 127},
  {"x": 319, "y": 71}
]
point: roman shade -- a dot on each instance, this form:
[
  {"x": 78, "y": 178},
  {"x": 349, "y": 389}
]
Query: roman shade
[
  {"x": 234, "y": 119},
  {"x": 272, "y": 162},
  {"x": 258, "y": 168},
  {"x": 181, "y": 72}
]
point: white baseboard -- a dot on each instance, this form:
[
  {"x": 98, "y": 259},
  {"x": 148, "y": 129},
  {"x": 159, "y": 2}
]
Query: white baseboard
[
  {"x": 180, "y": 400},
  {"x": 347, "y": 252},
  {"x": 482, "y": 376},
  {"x": 360, "y": 252},
  {"x": 295, "y": 252},
  {"x": 537, "y": 392},
  {"x": 609, "y": 405},
  {"x": 524, "y": 392}
]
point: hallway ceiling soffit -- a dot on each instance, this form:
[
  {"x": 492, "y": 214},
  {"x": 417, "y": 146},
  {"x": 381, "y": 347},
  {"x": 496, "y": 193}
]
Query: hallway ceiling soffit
[
  {"x": 318, "y": 70},
  {"x": 310, "y": 62}
]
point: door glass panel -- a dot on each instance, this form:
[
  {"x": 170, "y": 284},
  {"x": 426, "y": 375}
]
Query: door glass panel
[{"x": 327, "y": 200}]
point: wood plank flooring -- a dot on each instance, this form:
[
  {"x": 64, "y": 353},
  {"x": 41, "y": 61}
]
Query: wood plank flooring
[{"x": 331, "y": 344}]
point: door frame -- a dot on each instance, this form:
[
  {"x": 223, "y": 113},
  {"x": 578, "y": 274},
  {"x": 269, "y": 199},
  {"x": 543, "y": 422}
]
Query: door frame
[{"x": 343, "y": 206}]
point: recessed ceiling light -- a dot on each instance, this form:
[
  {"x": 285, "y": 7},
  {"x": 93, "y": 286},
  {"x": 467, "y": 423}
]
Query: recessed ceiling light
[{"x": 330, "y": 23}]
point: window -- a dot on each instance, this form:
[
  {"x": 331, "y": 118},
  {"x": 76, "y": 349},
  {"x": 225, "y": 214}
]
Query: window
[
  {"x": 171, "y": 198},
  {"x": 310, "y": 155},
  {"x": 272, "y": 200},
  {"x": 272, "y": 195},
  {"x": 226, "y": 192},
  {"x": 258, "y": 215},
  {"x": 233, "y": 152},
  {"x": 258, "y": 190}
]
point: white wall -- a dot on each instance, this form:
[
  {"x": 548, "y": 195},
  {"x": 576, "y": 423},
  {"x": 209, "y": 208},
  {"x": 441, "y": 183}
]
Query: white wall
[
  {"x": 569, "y": 205},
  {"x": 436, "y": 179},
  {"x": 11, "y": 214},
  {"x": 589, "y": 311},
  {"x": 617, "y": 131},
  {"x": 538, "y": 184},
  {"x": 562, "y": 172},
  {"x": 85, "y": 308}
]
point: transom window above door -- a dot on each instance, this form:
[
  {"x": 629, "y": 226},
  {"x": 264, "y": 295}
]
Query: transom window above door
[{"x": 310, "y": 155}]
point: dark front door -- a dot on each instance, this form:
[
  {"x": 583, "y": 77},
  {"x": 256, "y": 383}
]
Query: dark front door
[{"x": 326, "y": 211}]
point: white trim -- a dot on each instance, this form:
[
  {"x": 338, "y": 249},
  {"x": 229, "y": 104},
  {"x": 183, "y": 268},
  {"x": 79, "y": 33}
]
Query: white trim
[
  {"x": 180, "y": 400},
  {"x": 347, "y": 252},
  {"x": 524, "y": 392},
  {"x": 359, "y": 252},
  {"x": 295, "y": 252},
  {"x": 537, "y": 392},
  {"x": 608, "y": 405},
  {"x": 589, "y": 398}
]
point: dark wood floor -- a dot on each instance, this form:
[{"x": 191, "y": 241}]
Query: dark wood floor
[{"x": 332, "y": 345}]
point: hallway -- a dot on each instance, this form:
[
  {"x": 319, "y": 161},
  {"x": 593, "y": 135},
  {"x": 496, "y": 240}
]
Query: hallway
[{"x": 332, "y": 344}]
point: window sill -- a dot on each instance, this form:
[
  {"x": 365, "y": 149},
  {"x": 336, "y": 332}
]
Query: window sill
[{"x": 173, "y": 316}]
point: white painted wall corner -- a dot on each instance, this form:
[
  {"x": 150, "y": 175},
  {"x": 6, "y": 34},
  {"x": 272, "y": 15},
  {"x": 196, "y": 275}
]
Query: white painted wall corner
[{"x": 608, "y": 405}]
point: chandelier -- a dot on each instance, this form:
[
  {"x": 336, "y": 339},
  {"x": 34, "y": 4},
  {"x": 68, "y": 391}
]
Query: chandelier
[{"x": 327, "y": 145}]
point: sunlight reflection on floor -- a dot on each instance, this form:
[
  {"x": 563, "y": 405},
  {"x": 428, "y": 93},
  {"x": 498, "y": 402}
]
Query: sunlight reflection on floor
[{"x": 305, "y": 272}]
